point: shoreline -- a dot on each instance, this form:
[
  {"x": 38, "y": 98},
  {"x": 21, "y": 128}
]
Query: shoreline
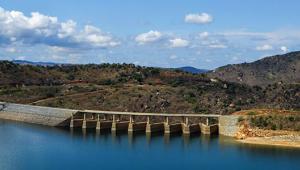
[{"x": 278, "y": 141}]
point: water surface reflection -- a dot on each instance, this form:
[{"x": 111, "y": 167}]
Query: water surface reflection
[{"x": 25, "y": 146}]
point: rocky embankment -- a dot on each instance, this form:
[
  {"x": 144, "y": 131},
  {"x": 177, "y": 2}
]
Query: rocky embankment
[{"x": 258, "y": 136}]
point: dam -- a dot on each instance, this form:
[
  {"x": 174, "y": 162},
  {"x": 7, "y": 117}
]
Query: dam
[{"x": 114, "y": 121}]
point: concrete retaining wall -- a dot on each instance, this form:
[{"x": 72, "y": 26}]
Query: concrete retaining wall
[
  {"x": 228, "y": 125},
  {"x": 35, "y": 114}
]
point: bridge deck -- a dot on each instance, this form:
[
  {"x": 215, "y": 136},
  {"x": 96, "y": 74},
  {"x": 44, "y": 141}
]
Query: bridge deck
[{"x": 148, "y": 114}]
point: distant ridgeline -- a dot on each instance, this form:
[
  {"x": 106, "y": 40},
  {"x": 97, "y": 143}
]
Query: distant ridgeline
[
  {"x": 188, "y": 69},
  {"x": 25, "y": 62},
  {"x": 193, "y": 70},
  {"x": 276, "y": 69},
  {"x": 126, "y": 87}
]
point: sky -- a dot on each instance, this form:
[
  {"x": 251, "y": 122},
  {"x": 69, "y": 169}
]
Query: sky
[{"x": 162, "y": 33}]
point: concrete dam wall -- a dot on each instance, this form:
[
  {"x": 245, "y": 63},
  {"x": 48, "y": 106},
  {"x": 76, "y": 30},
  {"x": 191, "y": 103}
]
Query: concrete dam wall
[
  {"x": 227, "y": 125},
  {"x": 35, "y": 114}
]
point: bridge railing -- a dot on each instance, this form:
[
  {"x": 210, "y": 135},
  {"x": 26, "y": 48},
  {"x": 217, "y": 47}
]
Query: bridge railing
[{"x": 147, "y": 114}]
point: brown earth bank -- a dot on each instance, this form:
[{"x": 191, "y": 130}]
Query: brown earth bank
[
  {"x": 269, "y": 127},
  {"x": 282, "y": 141}
]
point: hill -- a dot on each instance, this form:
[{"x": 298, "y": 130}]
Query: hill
[
  {"x": 192, "y": 70},
  {"x": 25, "y": 62},
  {"x": 275, "y": 69},
  {"x": 188, "y": 69},
  {"x": 126, "y": 87}
]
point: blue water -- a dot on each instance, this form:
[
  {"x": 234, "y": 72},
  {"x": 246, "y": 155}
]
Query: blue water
[{"x": 33, "y": 147}]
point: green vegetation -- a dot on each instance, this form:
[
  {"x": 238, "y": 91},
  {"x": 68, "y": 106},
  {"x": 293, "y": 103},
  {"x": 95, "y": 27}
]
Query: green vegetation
[
  {"x": 126, "y": 87},
  {"x": 251, "y": 113},
  {"x": 276, "y": 122}
]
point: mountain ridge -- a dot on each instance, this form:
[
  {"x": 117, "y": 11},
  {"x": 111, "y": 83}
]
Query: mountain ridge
[
  {"x": 269, "y": 70},
  {"x": 188, "y": 69}
]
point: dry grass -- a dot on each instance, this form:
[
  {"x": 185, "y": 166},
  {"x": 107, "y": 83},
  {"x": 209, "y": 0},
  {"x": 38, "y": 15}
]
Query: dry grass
[{"x": 266, "y": 112}]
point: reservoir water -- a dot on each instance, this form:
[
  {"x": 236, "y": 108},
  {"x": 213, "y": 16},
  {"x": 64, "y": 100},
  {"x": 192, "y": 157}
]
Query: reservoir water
[{"x": 33, "y": 147}]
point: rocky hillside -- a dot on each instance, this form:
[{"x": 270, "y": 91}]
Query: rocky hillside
[
  {"x": 126, "y": 87},
  {"x": 276, "y": 69}
]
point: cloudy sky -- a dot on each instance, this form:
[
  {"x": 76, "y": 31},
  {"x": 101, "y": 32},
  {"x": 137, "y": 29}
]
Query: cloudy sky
[{"x": 164, "y": 33}]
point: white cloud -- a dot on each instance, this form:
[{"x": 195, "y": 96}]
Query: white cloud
[
  {"x": 178, "y": 42},
  {"x": 67, "y": 29},
  {"x": 265, "y": 47},
  {"x": 93, "y": 35},
  {"x": 21, "y": 58},
  {"x": 217, "y": 46},
  {"x": 56, "y": 57},
  {"x": 208, "y": 60},
  {"x": 244, "y": 33},
  {"x": 11, "y": 49},
  {"x": 56, "y": 49},
  {"x": 202, "y": 18},
  {"x": 173, "y": 57},
  {"x": 203, "y": 34},
  {"x": 148, "y": 37},
  {"x": 276, "y": 38},
  {"x": 235, "y": 58},
  {"x": 284, "y": 49},
  {"x": 42, "y": 29}
]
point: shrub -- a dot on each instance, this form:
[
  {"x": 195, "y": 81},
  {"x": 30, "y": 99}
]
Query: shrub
[
  {"x": 51, "y": 92},
  {"x": 273, "y": 122},
  {"x": 251, "y": 113},
  {"x": 273, "y": 126},
  {"x": 238, "y": 109},
  {"x": 241, "y": 118},
  {"x": 71, "y": 77},
  {"x": 107, "y": 82},
  {"x": 138, "y": 77}
]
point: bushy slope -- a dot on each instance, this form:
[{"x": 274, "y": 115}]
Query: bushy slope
[
  {"x": 280, "y": 68},
  {"x": 125, "y": 87}
]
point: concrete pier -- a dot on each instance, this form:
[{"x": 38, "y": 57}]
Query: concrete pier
[
  {"x": 136, "y": 126},
  {"x": 90, "y": 124},
  {"x": 186, "y": 126},
  {"x": 74, "y": 123},
  {"x": 98, "y": 125},
  {"x": 114, "y": 124},
  {"x": 84, "y": 122},
  {"x": 133, "y": 127},
  {"x": 209, "y": 129},
  {"x": 172, "y": 128},
  {"x": 103, "y": 123},
  {"x": 194, "y": 128},
  {"x": 119, "y": 125},
  {"x": 154, "y": 127}
]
